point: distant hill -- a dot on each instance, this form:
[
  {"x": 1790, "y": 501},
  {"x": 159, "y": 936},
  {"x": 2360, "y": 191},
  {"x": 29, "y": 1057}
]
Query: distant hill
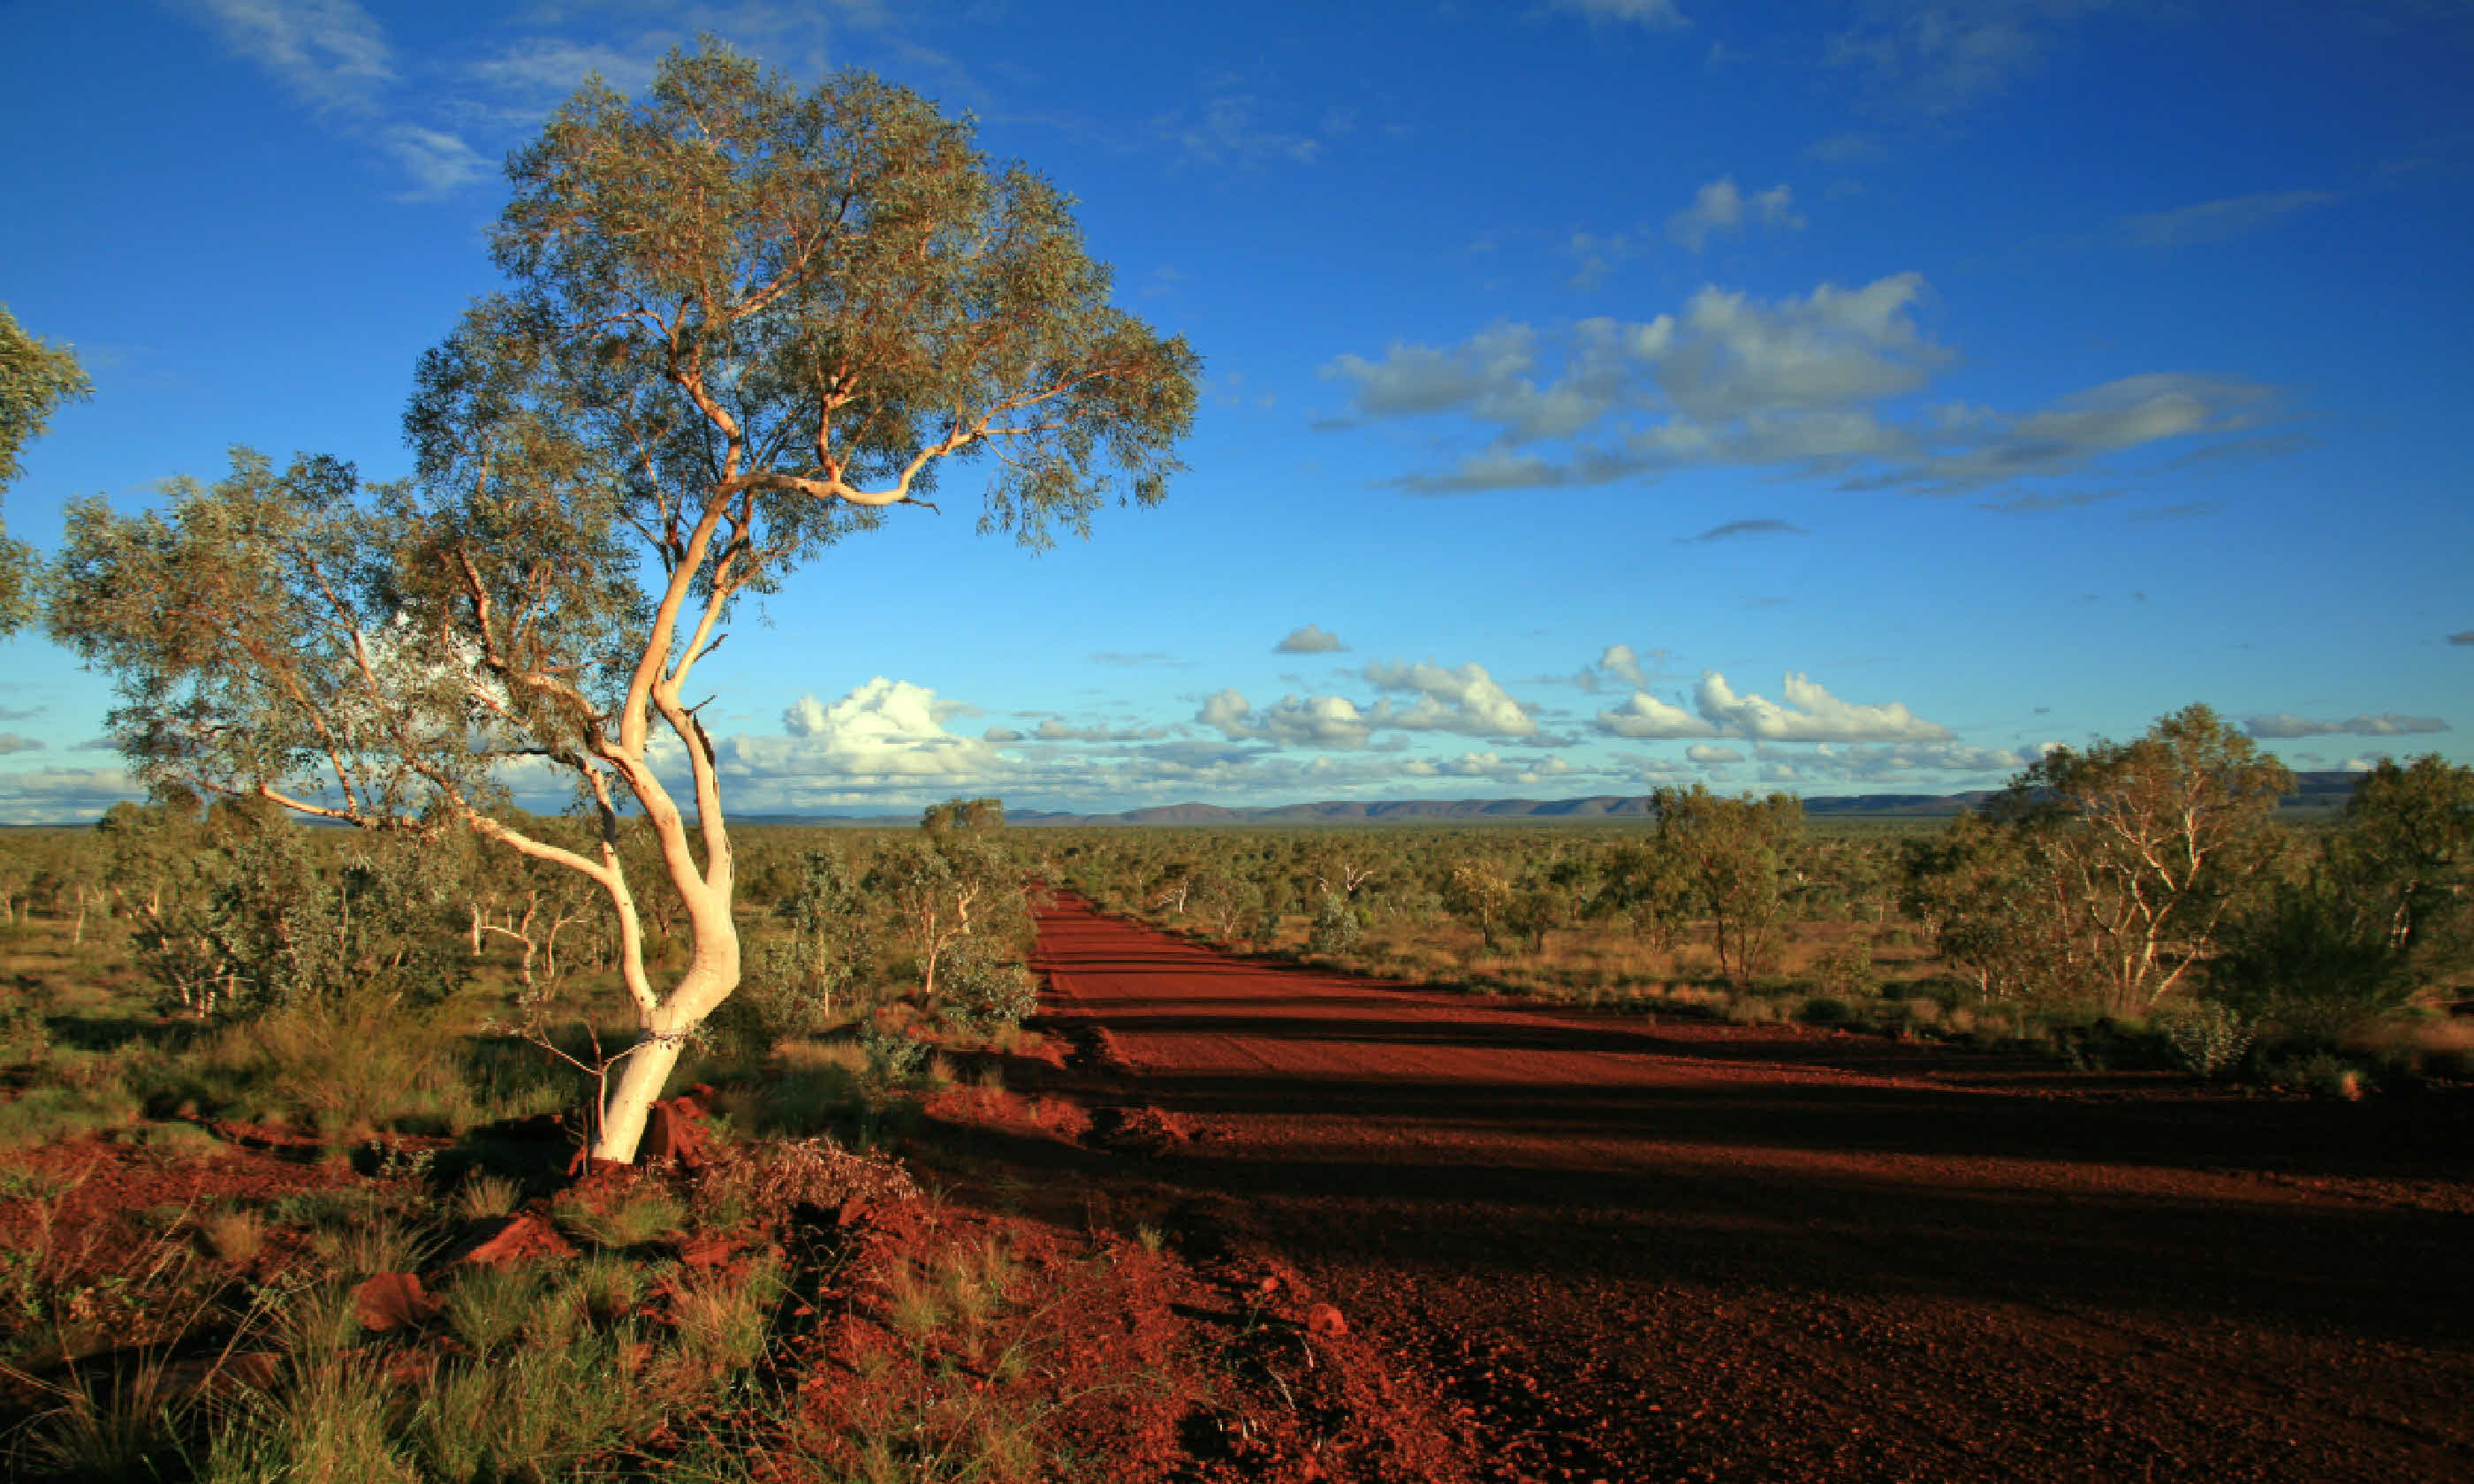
[{"x": 2315, "y": 793}]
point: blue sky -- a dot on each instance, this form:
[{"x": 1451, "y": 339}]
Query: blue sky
[{"x": 1843, "y": 398}]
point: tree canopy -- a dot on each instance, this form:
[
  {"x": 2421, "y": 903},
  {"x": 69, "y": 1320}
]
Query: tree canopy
[
  {"x": 35, "y": 377},
  {"x": 742, "y": 322}
]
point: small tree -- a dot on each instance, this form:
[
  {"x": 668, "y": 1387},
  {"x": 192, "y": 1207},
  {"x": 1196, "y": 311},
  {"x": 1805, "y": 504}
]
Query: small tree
[
  {"x": 1728, "y": 855},
  {"x": 743, "y": 324}
]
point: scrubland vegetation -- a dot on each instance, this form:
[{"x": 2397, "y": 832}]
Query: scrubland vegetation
[
  {"x": 2138, "y": 905},
  {"x": 403, "y": 1048}
]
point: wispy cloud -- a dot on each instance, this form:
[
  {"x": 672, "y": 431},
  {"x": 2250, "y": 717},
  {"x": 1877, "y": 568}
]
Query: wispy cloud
[
  {"x": 1653, "y": 14},
  {"x": 1939, "y": 57},
  {"x": 2388, "y": 723},
  {"x": 1763, "y": 526},
  {"x": 2215, "y": 221},
  {"x": 330, "y": 53}
]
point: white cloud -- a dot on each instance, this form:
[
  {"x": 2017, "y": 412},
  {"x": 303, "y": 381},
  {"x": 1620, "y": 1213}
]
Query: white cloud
[
  {"x": 1646, "y": 718},
  {"x": 883, "y": 729},
  {"x": 329, "y": 52},
  {"x": 10, "y": 742},
  {"x": 1491, "y": 766},
  {"x": 1309, "y": 639},
  {"x": 1802, "y": 384},
  {"x": 1809, "y": 714},
  {"x": 2389, "y": 724},
  {"x": 1720, "y": 207},
  {"x": 1619, "y": 661},
  {"x": 1465, "y": 701},
  {"x": 549, "y": 68},
  {"x": 51, "y": 795},
  {"x": 439, "y": 162},
  {"x": 1332, "y": 722},
  {"x": 1709, "y": 756},
  {"x": 1054, "y": 730},
  {"x": 1653, "y": 14},
  {"x": 2215, "y": 221}
]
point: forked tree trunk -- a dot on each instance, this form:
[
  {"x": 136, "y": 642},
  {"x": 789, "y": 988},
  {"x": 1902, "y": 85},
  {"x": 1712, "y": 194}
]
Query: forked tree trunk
[{"x": 713, "y": 973}]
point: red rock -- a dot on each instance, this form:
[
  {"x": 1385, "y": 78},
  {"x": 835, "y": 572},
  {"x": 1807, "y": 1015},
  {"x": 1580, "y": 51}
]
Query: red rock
[
  {"x": 676, "y": 1131},
  {"x": 523, "y": 1237},
  {"x": 393, "y": 1301},
  {"x": 1323, "y": 1319}
]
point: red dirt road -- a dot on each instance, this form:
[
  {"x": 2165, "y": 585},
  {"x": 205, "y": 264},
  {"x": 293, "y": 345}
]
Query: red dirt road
[{"x": 1610, "y": 1249}]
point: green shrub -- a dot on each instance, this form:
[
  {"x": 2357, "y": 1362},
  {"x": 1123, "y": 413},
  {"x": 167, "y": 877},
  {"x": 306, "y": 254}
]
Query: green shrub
[
  {"x": 1826, "y": 1009},
  {"x": 982, "y": 986},
  {"x": 2207, "y": 1037},
  {"x": 1336, "y": 931}
]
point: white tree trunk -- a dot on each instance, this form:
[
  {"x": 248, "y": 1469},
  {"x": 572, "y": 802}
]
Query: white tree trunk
[{"x": 640, "y": 1081}]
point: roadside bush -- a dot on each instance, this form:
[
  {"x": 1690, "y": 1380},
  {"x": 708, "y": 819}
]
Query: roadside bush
[
  {"x": 1336, "y": 928},
  {"x": 981, "y": 987},
  {"x": 2208, "y": 1036},
  {"x": 1826, "y": 1009},
  {"x": 1846, "y": 971}
]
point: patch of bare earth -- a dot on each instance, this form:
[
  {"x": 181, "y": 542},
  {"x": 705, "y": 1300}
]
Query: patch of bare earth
[{"x": 1582, "y": 1248}]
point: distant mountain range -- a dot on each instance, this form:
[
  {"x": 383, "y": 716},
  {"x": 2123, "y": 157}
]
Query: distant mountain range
[{"x": 2314, "y": 793}]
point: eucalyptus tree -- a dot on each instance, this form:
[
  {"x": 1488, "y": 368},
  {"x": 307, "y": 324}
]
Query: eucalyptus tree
[
  {"x": 35, "y": 377},
  {"x": 2148, "y": 846},
  {"x": 742, "y": 323}
]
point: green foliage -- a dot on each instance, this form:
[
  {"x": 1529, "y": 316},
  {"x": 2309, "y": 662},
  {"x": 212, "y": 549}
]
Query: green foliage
[
  {"x": 2106, "y": 876},
  {"x": 1336, "y": 931},
  {"x": 2209, "y": 1038},
  {"x": 1728, "y": 856},
  {"x": 983, "y": 985},
  {"x": 741, "y": 322},
  {"x": 2377, "y": 911},
  {"x": 35, "y": 377}
]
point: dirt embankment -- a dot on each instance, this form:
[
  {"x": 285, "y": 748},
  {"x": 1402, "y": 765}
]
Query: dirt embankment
[{"x": 1595, "y": 1248}]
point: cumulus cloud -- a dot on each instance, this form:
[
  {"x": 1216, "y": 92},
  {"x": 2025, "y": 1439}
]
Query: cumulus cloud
[
  {"x": 1720, "y": 207},
  {"x": 1801, "y": 385},
  {"x": 1764, "y": 526},
  {"x": 1332, "y": 722},
  {"x": 1810, "y": 713},
  {"x": 1708, "y": 755},
  {"x": 2215, "y": 221},
  {"x": 1619, "y": 661},
  {"x": 882, "y": 728},
  {"x": 1309, "y": 639},
  {"x": 1465, "y": 700},
  {"x": 2389, "y": 724},
  {"x": 1491, "y": 766},
  {"x": 1645, "y": 718},
  {"x": 10, "y": 742}
]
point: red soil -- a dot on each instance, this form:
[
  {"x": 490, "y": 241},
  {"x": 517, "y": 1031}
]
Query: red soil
[{"x": 1589, "y": 1248}]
